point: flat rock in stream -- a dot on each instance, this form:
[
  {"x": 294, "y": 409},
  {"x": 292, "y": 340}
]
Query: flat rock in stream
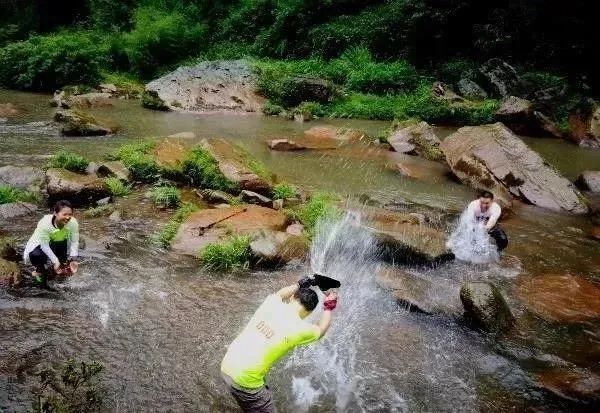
[
  {"x": 417, "y": 138},
  {"x": 9, "y": 110},
  {"x": 78, "y": 188},
  {"x": 24, "y": 177},
  {"x": 485, "y": 306},
  {"x": 212, "y": 225},
  {"x": 418, "y": 293},
  {"x": 210, "y": 86},
  {"x": 274, "y": 248},
  {"x": 491, "y": 157},
  {"x": 16, "y": 209},
  {"x": 76, "y": 123},
  {"x": 571, "y": 383}
]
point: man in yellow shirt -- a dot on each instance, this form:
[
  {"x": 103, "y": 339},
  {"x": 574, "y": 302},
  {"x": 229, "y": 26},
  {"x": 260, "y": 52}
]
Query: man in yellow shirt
[{"x": 276, "y": 327}]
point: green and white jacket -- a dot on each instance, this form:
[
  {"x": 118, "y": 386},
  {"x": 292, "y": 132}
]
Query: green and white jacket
[{"x": 47, "y": 232}]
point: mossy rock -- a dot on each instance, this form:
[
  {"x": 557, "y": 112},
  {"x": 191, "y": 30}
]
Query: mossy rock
[
  {"x": 77, "y": 123},
  {"x": 151, "y": 100}
]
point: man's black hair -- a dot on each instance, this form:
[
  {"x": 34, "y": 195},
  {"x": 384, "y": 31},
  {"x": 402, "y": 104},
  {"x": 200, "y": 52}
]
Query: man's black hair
[
  {"x": 486, "y": 194},
  {"x": 307, "y": 297},
  {"x": 63, "y": 203}
]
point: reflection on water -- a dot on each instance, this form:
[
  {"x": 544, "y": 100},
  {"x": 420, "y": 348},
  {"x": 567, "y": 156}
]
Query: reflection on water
[{"x": 160, "y": 324}]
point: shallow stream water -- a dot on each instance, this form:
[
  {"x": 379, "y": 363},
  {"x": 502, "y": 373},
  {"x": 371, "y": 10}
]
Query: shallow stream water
[{"x": 160, "y": 324}]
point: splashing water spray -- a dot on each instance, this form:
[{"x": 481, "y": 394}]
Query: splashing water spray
[
  {"x": 470, "y": 242},
  {"x": 330, "y": 372}
]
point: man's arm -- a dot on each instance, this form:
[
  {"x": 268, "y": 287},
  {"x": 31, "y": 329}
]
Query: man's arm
[
  {"x": 494, "y": 216},
  {"x": 286, "y": 292},
  {"x": 325, "y": 321}
]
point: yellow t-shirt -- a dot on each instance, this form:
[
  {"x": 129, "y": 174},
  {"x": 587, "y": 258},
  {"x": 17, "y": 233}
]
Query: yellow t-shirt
[{"x": 275, "y": 329}]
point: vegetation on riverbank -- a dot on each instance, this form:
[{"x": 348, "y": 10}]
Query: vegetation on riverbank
[
  {"x": 9, "y": 194},
  {"x": 376, "y": 52},
  {"x": 168, "y": 232},
  {"x": 230, "y": 254},
  {"x": 69, "y": 161}
]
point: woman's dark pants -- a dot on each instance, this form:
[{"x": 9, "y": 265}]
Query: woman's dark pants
[{"x": 39, "y": 258}]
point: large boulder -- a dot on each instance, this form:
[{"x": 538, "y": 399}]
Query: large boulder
[
  {"x": 418, "y": 293},
  {"x": 471, "y": 90},
  {"x": 285, "y": 145},
  {"x": 83, "y": 101},
  {"x": 561, "y": 297},
  {"x": 10, "y": 274},
  {"x": 212, "y": 225},
  {"x": 521, "y": 117},
  {"x": 238, "y": 166},
  {"x": 485, "y": 307},
  {"x": 401, "y": 238},
  {"x": 273, "y": 248},
  {"x": 589, "y": 181},
  {"x": 78, "y": 188},
  {"x": 207, "y": 87},
  {"x": 571, "y": 383},
  {"x": 498, "y": 77},
  {"x": 75, "y": 123},
  {"x": 23, "y": 177},
  {"x": 8, "y": 110},
  {"x": 419, "y": 138},
  {"x": 300, "y": 89},
  {"x": 114, "y": 168},
  {"x": 491, "y": 157},
  {"x": 16, "y": 209},
  {"x": 584, "y": 124},
  {"x": 170, "y": 153}
]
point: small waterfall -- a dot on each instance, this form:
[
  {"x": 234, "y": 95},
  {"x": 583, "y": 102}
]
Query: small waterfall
[
  {"x": 330, "y": 370},
  {"x": 470, "y": 242}
]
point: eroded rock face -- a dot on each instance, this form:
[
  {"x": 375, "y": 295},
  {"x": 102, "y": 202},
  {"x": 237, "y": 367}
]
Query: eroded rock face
[
  {"x": 78, "y": 188},
  {"x": 208, "y": 87},
  {"x": 561, "y": 297},
  {"x": 75, "y": 123},
  {"x": 237, "y": 166},
  {"x": 418, "y": 293},
  {"x": 485, "y": 306},
  {"x": 212, "y": 225},
  {"x": 419, "y": 138},
  {"x": 491, "y": 157}
]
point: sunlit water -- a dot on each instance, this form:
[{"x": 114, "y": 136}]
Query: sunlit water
[
  {"x": 470, "y": 241},
  {"x": 160, "y": 323}
]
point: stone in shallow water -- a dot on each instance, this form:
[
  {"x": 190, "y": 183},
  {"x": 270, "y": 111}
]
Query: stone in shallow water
[
  {"x": 485, "y": 306},
  {"x": 561, "y": 297},
  {"x": 574, "y": 384}
]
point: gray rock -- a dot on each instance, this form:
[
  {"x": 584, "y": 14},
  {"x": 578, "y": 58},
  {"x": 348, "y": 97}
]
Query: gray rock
[
  {"x": 500, "y": 78},
  {"x": 492, "y": 157},
  {"x": 254, "y": 198},
  {"x": 285, "y": 145},
  {"x": 114, "y": 168},
  {"x": 115, "y": 216},
  {"x": 273, "y": 248},
  {"x": 471, "y": 90},
  {"x": 104, "y": 201},
  {"x": 215, "y": 196},
  {"x": 92, "y": 168},
  {"x": 584, "y": 124},
  {"x": 78, "y": 188},
  {"x": 485, "y": 307},
  {"x": 519, "y": 115},
  {"x": 589, "y": 181},
  {"x": 75, "y": 123},
  {"x": 24, "y": 177},
  {"x": 419, "y": 138},
  {"x": 16, "y": 209}
]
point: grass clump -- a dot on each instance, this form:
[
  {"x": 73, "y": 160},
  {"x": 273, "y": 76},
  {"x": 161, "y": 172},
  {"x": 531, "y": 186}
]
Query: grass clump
[
  {"x": 231, "y": 254},
  {"x": 137, "y": 158},
  {"x": 320, "y": 206},
  {"x": 272, "y": 109},
  {"x": 165, "y": 196},
  {"x": 70, "y": 161},
  {"x": 99, "y": 211},
  {"x": 127, "y": 85},
  {"x": 117, "y": 187},
  {"x": 9, "y": 194},
  {"x": 283, "y": 191},
  {"x": 166, "y": 235},
  {"x": 202, "y": 170}
]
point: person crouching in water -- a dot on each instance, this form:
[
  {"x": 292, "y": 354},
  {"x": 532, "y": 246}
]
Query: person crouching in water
[
  {"x": 55, "y": 239},
  {"x": 276, "y": 328},
  {"x": 486, "y": 212}
]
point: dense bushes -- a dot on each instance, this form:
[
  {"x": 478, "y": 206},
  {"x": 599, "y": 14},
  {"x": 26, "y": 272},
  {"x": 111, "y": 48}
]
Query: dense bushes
[{"x": 45, "y": 63}]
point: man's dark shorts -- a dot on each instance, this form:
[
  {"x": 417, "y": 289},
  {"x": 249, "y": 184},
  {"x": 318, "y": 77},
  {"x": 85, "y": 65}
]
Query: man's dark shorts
[{"x": 255, "y": 401}]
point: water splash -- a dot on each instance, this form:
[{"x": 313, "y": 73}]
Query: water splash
[
  {"x": 470, "y": 242},
  {"x": 333, "y": 373}
]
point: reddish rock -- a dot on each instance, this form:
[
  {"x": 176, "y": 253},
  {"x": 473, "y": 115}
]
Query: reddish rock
[
  {"x": 285, "y": 145},
  {"x": 595, "y": 233},
  {"x": 584, "y": 125},
  {"x": 571, "y": 383},
  {"x": 8, "y": 110},
  {"x": 10, "y": 274},
  {"x": 274, "y": 248},
  {"x": 561, "y": 298},
  {"x": 338, "y": 134},
  {"x": 211, "y": 225},
  {"x": 170, "y": 153}
]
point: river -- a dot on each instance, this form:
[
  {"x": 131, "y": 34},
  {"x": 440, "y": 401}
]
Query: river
[{"x": 160, "y": 323}]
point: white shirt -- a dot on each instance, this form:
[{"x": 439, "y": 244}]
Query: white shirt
[
  {"x": 489, "y": 217},
  {"x": 43, "y": 234}
]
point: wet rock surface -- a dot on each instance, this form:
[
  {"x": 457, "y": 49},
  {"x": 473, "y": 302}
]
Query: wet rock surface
[
  {"x": 24, "y": 177},
  {"x": 16, "y": 209},
  {"x": 584, "y": 125},
  {"x": 521, "y": 117},
  {"x": 491, "y": 157},
  {"x": 75, "y": 123},
  {"x": 274, "y": 248},
  {"x": 78, "y": 188},
  {"x": 589, "y": 181},
  {"x": 571, "y": 383},
  {"x": 419, "y": 139},
  {"x": 485, "y": 307}
]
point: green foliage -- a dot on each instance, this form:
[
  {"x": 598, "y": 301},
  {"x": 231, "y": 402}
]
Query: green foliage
[
  {"x": 46, "y": 63},
  {"x": 139, "y": 161},
  {"x": 361, "y": 106},
  {"x": 166, "y": 235},
  {"x": 10, "y": 194},
  {"x": 534, "y": 81},
  {"x": 165, "y": 196},
  {"x": 99, "y": 211},
  {"x": 284, "y": 191},
  {"x": 69, "y": 388},
  {"x": 159, "y": 38},
  {"x": 310, "y": 110},
  {"x": 272, "y": 109},
  {"x": 203, "y": 171},
  {"x": 454, "y": 70},
  {"x": 70, "y": 161},
  {"x": 231, "y": 254},
  {"x": 117, "y": 187},
  {"x": 127, "y": 85},
  {"x": 319, "y": 206}
]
